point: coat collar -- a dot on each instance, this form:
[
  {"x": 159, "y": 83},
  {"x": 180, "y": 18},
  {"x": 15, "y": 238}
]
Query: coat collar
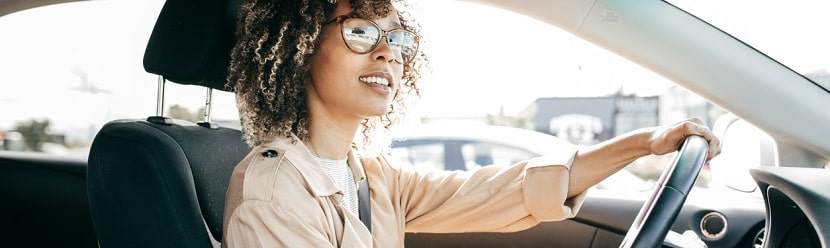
[{"x": 319, "y": 183}]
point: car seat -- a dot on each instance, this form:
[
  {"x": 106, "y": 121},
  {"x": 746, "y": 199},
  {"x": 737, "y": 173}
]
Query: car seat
[{"x": 161, "y": 182}]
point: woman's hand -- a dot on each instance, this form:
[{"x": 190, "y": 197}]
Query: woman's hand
[
  {"x": 594, "y": 163},
  {"x": 666, "y": 139}
]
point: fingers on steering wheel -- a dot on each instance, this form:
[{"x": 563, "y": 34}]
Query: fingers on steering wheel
[
  {"x": 714, "y": 149},
  {"x": 697, "y": 120},
  {"x": 701, "y": 129}
]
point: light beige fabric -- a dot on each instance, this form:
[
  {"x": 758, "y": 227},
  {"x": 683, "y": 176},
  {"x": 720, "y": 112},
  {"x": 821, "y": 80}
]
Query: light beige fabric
[{"x": 288, "y": 201}]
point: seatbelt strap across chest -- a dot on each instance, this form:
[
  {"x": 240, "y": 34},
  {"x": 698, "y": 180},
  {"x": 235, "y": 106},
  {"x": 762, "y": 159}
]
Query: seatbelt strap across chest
[{"x": 364, "y": 203}]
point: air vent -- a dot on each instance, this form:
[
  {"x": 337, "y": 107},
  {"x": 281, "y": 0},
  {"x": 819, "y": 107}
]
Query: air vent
[
  {"x": 713, "y": 225},
  {"x": 758, "y": 241}
]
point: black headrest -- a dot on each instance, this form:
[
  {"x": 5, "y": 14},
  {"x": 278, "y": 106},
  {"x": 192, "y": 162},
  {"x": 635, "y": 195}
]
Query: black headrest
[{"x": 191, "y": 42}]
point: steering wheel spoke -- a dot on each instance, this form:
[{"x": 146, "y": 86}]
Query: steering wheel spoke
[{"x": 658, "y": 213}]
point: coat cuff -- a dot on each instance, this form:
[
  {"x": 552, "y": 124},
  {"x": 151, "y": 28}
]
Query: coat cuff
[{"x": 546, "y": 188}]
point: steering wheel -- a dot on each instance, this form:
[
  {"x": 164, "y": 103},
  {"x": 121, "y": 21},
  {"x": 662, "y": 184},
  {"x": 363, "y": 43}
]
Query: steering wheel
[{"x": 658, "y": 213}]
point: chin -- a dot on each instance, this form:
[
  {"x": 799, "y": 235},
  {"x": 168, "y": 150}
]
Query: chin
[{"x": 377, "y": 112}]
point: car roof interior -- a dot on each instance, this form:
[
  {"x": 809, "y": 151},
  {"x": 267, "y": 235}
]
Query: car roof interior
[{"x": 11, "y": 6}]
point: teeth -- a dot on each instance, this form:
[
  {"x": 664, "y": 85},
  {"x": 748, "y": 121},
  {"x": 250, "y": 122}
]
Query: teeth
[{"x": 375, "y": 80}]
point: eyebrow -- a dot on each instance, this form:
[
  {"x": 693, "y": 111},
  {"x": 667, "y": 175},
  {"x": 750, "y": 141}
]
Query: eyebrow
[
  {"x": 391, "y": 25},
  {"x": 395, "y": 25}
]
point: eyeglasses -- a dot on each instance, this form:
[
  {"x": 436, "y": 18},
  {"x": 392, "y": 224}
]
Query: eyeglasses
[{"x": 362, "y": 36}]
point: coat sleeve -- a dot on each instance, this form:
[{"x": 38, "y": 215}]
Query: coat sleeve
[
  {"x": 260, "y": 224},
  {"x": 490, "y": 199}
]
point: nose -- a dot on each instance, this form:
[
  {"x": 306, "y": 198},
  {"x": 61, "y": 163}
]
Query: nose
[{"x": 383, "y": 52}]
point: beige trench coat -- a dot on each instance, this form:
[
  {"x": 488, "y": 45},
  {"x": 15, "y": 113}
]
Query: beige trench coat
[{"x": 287, "y": 200}]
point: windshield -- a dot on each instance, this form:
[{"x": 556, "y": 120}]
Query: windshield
[{"x": 792, "y": 32}]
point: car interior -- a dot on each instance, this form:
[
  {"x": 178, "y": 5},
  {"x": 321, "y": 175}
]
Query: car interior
[{"x": 157, "y": 181}]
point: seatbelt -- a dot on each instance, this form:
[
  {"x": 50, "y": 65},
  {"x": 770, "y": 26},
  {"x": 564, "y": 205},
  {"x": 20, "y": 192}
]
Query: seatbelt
[{"x": 365, "y": 206}]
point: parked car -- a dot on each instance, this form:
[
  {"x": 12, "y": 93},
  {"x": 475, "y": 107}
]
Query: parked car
[
  {"x": 79, "y": 64},
  {"x": 11, "y": 141},
  {"x": 468, "y": 147}
]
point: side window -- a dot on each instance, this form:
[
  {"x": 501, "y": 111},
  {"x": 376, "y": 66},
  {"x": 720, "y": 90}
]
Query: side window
[
  {"x": 421, "y": 155},
  {"x": 93, "y": 75},
  {"x": 479, "y": 154}
]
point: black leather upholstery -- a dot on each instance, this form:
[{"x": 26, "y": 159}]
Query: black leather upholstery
[{"x": 163, "y": 185}]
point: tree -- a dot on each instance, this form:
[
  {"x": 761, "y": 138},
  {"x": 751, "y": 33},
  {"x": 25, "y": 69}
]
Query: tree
[
  {"x": 821, "y": 77},
  {"x": 181, "y": 113},
  {"x": 35, "y": 133},
  {"x": 503, "y": 120}
]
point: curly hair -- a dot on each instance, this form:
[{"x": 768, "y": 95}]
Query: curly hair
[{"x": 270, "y": 64}]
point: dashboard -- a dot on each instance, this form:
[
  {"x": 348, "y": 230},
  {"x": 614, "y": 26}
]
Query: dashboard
[{"x": 797, "y": 205}]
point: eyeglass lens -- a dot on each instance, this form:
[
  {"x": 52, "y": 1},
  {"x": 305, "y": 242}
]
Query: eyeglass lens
[{"x": 362, "y": 36}]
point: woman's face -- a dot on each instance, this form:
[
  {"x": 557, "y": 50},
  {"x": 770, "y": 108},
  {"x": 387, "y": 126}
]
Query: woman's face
[{"x": 348, "y": 84}]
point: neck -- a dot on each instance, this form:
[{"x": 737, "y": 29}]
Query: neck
[
  {"x": 331, "y": 129},
  {"x": 330, "y": 139}
]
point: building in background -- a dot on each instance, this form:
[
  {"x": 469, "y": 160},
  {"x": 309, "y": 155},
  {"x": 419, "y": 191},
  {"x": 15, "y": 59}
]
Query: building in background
[{"x": 589, "y": 120}]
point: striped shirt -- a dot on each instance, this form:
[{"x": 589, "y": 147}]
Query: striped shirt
[{"x": 341, "y": 175}]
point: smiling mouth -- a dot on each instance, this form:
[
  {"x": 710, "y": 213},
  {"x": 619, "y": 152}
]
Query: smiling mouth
[{"x": 375, "y": 80}]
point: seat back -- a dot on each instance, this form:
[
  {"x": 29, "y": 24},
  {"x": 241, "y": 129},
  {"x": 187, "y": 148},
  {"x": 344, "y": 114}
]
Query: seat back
[
  {"x": 159, "y": 182},
  {"x": 156, "y": 185}
]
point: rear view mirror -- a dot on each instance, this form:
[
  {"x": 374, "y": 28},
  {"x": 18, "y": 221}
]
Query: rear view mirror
[{"x": 743, "y": 146}]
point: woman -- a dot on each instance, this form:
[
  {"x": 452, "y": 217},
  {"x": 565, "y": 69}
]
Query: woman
[{"x": 312, "y": 75}]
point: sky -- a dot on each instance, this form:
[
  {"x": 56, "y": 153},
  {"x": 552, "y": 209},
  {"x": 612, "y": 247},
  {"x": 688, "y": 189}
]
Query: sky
[
  {"x": 511, "y": 71},
  {"x": 474, "y": 71}
]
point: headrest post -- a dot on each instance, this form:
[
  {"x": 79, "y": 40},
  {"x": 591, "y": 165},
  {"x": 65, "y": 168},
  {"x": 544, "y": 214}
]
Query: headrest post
[
  {"x": 160, "y": 97},
  {"x": 159, "y": 117},
  {"x": 208, "y": 104},
  {"x": 206, "y": 122}
]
